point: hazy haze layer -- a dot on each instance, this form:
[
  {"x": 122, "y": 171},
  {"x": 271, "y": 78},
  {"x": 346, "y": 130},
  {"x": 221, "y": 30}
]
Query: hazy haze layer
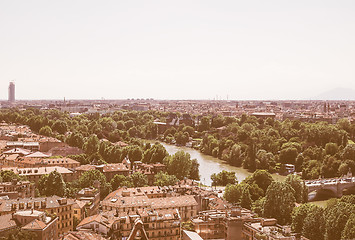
[{"x": 176, "y": 49}]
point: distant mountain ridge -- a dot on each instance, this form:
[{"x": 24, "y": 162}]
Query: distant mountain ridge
[{"x": 337, "y": 94}]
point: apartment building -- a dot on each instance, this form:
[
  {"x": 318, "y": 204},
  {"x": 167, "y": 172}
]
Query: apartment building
[
  {"x": 222, "y": 224},
  {"x": 61, "y": 207},
  {"x": 32, "y": 146},
  {"x": 157, "y": 224},
  {"x": 109, "y": 170},
  {"x": 268, "y": 229},
  {"x": 36, "y": 162},
  {"x": 37, "y": 222},
  {"x": 124, "y": 200},
  {"x": 34, "y": 174},
  {"x": 91, "y": 198},
  {"x": 17, "y": 189}
]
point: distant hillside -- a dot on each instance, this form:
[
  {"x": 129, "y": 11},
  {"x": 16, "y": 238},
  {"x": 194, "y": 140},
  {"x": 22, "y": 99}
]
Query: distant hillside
[{"x": 337, "y": 94}]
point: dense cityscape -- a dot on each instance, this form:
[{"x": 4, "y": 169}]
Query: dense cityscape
[
  {"x": 125, "y": 169},
  {"x": 177, "y": 120}
]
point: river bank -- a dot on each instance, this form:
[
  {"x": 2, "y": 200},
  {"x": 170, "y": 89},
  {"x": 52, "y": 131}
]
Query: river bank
[{"x": 210, "y": 165}]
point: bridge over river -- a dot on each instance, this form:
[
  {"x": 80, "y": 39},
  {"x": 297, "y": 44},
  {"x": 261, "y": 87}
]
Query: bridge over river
[{"x": 334, "y": 186}]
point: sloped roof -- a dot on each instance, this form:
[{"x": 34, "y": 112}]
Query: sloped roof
[
  {"x": 82, "y": 235},
  {"x": 37, "y": 155},
  {"x": 17, "y": 151},
  {"x": 6, "y": 222},
  {"x": 35, "y": 225}
]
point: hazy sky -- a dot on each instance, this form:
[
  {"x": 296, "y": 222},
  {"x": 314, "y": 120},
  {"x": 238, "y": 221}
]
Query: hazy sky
[{"x": 176, "y": 49}]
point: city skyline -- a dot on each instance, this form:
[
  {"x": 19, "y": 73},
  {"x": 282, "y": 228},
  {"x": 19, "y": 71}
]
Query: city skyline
[{"x": 184, "y": 50}]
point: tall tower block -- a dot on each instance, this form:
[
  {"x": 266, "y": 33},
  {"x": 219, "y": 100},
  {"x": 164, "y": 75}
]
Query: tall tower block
[{"x": 12, "y": 92}]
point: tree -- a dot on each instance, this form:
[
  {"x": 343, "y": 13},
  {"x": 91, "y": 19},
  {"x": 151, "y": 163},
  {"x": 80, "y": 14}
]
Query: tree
[
  {"x": 117, "y": 181},
  {"x": 155, "y": 153},
  {"x": 288, "y": 155},
  {"x": 262, "y": 178},
  {"x": 60, "y": 126},
  {"x": 204, "y": 124},
  {"x": 92, "y": 145},
  {"x": 349, "y": 152},
  {"x": 88, "y": 178},
  {"x": 246, "y": 201},
  {"x": 52, "y": 184},
  {"x": 331, "y": 148},
  {"x": 138, "y": 179},
  {"x": 344, "y": 124},
  {"x": 189, "y": 130},
  {"x": 46, "y": 131},
  {"x": 258, "y": 206},
  {"x": 194, "y": 170},
  {"x": 135, "y": 153},
  {"x": 330, "y": 167},
  {"x": 301, "y": 192},
  {"x": 311, "y": 169},
  {"x": 298, "y": 215},
  {"x": 164, "y": 179},
  {"x": 179, "y": 164},
  {"x": 265, "y": 160},
  {"x": 75, "y": 139},
  {"x": 8, "y": 176},
  {"x": 236, "y": 158},
  {"x": 349, "y": 229},
  {"x": 313, "y": 226},
  {"x": 336, "y": 216},
  {"x": 223, "y": 178},
  {"x": 233, "y": 193},
  {"x": 279, "y": 202}
]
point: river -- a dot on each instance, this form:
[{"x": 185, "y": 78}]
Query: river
[{"x": 210, "y": 165}]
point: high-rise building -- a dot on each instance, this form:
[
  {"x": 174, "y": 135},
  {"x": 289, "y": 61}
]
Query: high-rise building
[{"x": 12, "y": 92}]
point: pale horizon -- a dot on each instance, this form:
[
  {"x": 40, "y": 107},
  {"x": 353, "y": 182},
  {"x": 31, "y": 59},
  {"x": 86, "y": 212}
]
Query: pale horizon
[{"x": 254, "y": 50}]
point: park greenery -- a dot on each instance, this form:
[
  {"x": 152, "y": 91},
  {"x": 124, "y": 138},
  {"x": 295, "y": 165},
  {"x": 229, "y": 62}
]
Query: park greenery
[
  {"x": 262, "y": 146},
  {"x": 287, "y": 202},
  {"x": 334, "y": 222},
  {"x": 316, "y": 149}
]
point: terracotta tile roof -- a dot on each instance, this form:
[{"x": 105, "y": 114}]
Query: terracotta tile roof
[
  {"x": 104, "y": 219},
  {"x": 115, "y": 167},
  {"x": 51, "y": 202},
  {"x": 82, "y": 235},
  {"x": 18, "y": 151},
  {"x": 6, "y": 222},
  {"x": 134, "y": 201},
  {"x": 79, "y": 204},
  {"x": 172, "y": 202},
  {"x": 35, "y": 225},
  {"x": 12, "y": 157},
  {"x": 37, "y": 155},
  {"x": 38, "y": 170},
  {"x": 86, "y": 167}
]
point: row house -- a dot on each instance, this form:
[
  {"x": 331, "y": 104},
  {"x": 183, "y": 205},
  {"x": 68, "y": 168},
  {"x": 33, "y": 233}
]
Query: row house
[{"x": 42, "y": 225}]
